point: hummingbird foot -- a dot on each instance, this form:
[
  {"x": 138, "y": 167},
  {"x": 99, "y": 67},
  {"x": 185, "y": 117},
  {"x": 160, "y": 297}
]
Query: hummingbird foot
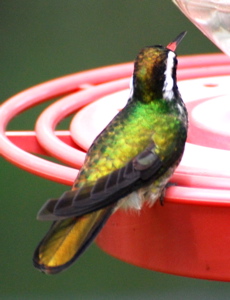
[{"x": 162, "y": 196}]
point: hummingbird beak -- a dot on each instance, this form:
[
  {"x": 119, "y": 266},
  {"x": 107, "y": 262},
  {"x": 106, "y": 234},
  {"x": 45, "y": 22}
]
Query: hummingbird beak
[{"x": 173, "y": 45}]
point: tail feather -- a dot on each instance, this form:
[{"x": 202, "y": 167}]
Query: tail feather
[{"x": 67, "y": 239}]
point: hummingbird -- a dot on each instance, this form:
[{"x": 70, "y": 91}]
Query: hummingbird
[{"x": 129, "y": 163}]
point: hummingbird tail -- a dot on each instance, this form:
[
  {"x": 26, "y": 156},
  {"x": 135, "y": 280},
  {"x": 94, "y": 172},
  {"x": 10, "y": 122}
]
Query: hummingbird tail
[{"x": 67, "y": 239}]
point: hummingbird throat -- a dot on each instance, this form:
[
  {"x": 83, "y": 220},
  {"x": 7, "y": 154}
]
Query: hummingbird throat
[{"x": 168, "y": 87}]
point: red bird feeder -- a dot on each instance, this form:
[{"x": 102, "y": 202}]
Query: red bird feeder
[{"x": 190, "y": 234}]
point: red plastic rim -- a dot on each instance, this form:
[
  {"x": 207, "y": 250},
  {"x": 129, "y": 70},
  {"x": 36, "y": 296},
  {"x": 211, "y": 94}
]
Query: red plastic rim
[{"x": 189, "y": 235}]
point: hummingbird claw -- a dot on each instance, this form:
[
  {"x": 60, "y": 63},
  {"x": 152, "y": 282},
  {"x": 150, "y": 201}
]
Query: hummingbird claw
[{"x": 162, "y": 196}]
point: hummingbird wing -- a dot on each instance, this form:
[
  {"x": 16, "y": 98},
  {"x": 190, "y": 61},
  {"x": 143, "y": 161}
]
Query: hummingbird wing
[
  {"x": 106, "y": 190},
  {"x": 79, "y": 215},
  {"x": 67, "y": 239}
]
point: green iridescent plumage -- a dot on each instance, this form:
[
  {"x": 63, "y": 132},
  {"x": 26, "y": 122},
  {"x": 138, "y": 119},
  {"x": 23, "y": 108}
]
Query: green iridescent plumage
[
  {"x": 130, "y": 162},
  {"x": 130, "y": 133}
]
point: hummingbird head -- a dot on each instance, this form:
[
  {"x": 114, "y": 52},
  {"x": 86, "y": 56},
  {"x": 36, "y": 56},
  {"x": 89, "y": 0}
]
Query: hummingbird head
[{"x": 154, "y": 74}]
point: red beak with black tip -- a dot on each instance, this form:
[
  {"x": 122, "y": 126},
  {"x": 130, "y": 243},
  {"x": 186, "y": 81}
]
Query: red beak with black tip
[{"x": 173, "y": 45}]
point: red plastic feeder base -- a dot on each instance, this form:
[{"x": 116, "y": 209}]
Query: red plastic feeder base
[
  {"x": 179, "y": 238},
  {"x": 190, "y": 234}
]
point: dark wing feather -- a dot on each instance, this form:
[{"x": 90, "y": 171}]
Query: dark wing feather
[{"x": 107, "y": 190}]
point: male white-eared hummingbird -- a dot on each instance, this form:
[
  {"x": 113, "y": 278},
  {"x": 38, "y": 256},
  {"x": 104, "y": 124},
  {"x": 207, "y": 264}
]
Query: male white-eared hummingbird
[{"x": 130, "y": 162}]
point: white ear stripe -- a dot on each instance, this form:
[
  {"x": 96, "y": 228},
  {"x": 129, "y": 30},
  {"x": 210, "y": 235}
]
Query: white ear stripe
[
  {"x": 168, "y": 93},
  {"x": 131, "y": 87}
]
